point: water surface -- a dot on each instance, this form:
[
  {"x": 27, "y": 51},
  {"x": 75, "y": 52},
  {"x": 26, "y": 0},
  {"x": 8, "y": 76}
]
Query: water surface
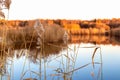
[{"x": 87, "y": 60}]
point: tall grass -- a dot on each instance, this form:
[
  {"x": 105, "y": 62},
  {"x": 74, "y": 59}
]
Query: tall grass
[
  {"x": 21, "y": 38},
  {"x": 37, "y": 37},
  {"x": 28, "y": 36}
]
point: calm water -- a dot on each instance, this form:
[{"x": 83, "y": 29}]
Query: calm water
[{"x": 80, "y": 61}]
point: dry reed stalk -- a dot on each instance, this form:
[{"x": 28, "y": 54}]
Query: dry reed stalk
[
  {"x": 7, "y": 4},
  {"x": 4, "y": 40},
  {"x": 2, "y": 14},
  {"x": 94, "y": 55},
  {"x": 40, "y": 32},
  {"x": 78, "y": 68}
]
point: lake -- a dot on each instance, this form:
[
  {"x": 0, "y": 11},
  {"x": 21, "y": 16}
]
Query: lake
[{"x": 84, "y": 58}]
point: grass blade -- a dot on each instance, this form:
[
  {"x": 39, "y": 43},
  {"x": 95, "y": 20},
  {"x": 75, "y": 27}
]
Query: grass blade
[
  {"x": 94, "y": 56},
  {"x": 78, "y": 68}
]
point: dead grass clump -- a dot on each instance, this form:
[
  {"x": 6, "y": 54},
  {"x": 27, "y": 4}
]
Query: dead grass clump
[
  {"x": 27, "y": 35},
  {"x": 21, "y": 37},
  {"x": 53, "y": 33}
]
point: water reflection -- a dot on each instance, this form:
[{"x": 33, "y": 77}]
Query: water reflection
[
  {"x": 115, "y": 39},
  {"x": 95, "y": 39},
  {"x": 83, "y": 60}
]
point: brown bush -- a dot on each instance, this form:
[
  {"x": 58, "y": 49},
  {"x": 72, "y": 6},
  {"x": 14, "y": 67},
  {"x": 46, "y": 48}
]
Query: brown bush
[{"x": 53, "y": 33}]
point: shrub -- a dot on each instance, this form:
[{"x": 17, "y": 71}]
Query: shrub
[{"x": 53, "y": 33}]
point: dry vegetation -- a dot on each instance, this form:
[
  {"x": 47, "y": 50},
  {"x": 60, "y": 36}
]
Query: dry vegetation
[{"x": 22, "y": 31}]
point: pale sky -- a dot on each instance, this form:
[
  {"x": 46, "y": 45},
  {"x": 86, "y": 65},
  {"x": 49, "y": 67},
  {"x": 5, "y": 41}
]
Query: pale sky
[{"x": 64, "y": 9}]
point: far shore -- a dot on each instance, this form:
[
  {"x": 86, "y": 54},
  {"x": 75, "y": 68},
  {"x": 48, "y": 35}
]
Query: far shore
[
  {"x": 74, "y": 27},
  {"x": 18, "y": 30}
]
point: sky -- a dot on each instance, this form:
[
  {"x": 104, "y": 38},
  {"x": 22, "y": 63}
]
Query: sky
[{"x": 64, "y": 9}]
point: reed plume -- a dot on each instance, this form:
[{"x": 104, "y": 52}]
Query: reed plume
[
  {"x": 7, "y": 4},
  {"x": 2, "y": 14}
]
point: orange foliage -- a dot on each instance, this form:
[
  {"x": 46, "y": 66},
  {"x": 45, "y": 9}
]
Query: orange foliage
[
  {"x": 72, "y": 26},
  {"x": 102, "y": 25},
  {"x": 50, "y": 21}
]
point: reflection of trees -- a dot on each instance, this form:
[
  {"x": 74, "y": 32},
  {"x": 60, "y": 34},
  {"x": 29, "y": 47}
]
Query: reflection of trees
[
  {"x": 115, "y": 39},
  {"x": 32, "y": 55},
  {"x": 39, "y": 57},
  {"x": 49, "y": 49},
  {"x": 66, "y": 61},
  {"x": 95, "y": 39}
]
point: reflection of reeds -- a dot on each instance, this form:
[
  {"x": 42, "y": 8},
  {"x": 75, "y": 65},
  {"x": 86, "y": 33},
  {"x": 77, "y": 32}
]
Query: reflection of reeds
[
  {"x": 81, "y": 67},
  {"x": 24, "y": 72},
  {"x": 66, "y": 60},
  {"x": 68, "y": 63},
  {"x": 5, "y": 61}
]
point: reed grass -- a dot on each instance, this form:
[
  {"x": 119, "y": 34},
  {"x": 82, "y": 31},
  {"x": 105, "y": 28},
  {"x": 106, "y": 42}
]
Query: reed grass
[
  {"x": 66, "y": 70},
  {"x": 2, "y": 14},
  {"x": 27, "y": 36},
  {"x": 21, "y": 37}
]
